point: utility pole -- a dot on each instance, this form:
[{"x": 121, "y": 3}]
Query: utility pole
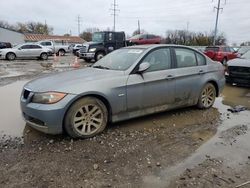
[
  {"x": 79, "y": 22},
  {"x": 139, "y": 27},
  {"x": 114, "y": 12},
  {"x": 218, "y": 8}
]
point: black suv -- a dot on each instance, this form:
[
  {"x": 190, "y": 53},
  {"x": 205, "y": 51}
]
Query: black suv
[
  {"x": 5, "y": 45},
  {"x": 102, "y": 43}
]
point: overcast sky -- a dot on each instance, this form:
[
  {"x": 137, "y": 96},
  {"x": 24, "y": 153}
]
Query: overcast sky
[{"x": 156, "y": 16}]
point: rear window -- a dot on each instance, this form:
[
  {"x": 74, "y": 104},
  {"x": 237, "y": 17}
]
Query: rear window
[{"x": 214, "y": 49}]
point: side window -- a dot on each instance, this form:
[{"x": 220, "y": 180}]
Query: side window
[
  {"x": 110, "y": 36},
  {"x": 47, "y": 43},
  {"x": 43, "y": 43},
  {"x": 201, "y": 60},
  {"x": 36, "y": 46},
  {"x": 185, "y": 57},
  {"x": 159, "y": 59},
  {"x": 25, "y": 47}
]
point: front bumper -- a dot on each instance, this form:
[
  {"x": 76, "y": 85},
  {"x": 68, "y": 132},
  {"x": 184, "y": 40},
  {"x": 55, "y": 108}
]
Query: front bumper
[
  {"x": 47, "y": 118},
  {"x": 87, "y": 55},
  {"x": 238, "y": 80}
]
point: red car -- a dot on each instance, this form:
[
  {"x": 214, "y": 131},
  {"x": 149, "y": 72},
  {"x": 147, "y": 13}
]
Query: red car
[
  {"x": 220, "y": 53},
  {"x": 145, "y": 39}
]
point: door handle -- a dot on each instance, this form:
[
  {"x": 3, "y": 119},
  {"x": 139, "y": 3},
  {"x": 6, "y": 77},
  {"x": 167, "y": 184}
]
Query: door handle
[
  {"x": 170, "y": 77},
  {"x": 201, "y": 72}
]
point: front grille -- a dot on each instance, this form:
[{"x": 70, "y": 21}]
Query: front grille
[
  {"x": 26, "y": 93},
  {"x": 241, "y": 72},
  {"x": 84, "y": 49}
]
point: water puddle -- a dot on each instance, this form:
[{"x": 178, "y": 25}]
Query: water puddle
[
  {"x": 231, "y": 142},
  {"x": 11, "y": 123}
]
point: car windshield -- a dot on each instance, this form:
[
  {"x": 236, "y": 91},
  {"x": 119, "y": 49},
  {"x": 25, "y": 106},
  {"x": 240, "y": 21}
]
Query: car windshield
[
  {"x": 243, "y": 50},
  {"x": 135, "y": 37},
  {"x": 119, "y": 60},
  {"x": 98, "y": 37},
  {"x": 18, "y": 46},
  {"x": 246, "y": 55}
]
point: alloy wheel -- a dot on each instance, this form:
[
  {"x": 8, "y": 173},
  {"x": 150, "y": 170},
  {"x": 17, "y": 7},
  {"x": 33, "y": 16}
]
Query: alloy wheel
[
  {"x": 88, "y": 119},
  {"x": 208, "y": 96}
]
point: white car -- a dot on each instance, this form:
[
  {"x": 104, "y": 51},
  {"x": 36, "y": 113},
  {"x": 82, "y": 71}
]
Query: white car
[
  {"x": 27, "y": 50},
  {"x": 56, "y": 48}
]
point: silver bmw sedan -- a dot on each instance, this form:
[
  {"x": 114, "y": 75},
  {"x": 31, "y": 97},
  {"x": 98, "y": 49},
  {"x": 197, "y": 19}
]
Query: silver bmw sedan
[{"x": 128, "y": 83}]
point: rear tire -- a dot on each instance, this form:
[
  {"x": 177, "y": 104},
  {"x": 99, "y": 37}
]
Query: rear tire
[
  {"x": 61, "y": 52},
  {"x": 44, "y": 56},
  {"x": 86, "y": 118},
  {"x": 10, "y": 56},
  {"x": 207, "y": 96}
]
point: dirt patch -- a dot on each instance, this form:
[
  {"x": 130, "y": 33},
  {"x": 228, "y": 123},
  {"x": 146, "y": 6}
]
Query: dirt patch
[
  {"x": 213, "y": 173},
  {"x": 119, "y": 157}
]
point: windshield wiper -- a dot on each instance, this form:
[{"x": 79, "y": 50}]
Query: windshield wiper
[{"x": 101, "y": 67}]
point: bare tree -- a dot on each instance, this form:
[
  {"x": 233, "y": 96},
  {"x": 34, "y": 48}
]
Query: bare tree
[{"x": 87, "y": 34}]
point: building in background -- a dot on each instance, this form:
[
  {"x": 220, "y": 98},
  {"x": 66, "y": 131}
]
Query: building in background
[
  {"x": 15, "y": 38},
  {"x": 11, "y": 36},
  {"x": 56, "y": 38}
]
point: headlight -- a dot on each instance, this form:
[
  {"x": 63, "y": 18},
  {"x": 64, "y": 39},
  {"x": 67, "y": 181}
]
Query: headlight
[
  {"x": 92, "y": 49},
  {"x": 48, "y": 97}
]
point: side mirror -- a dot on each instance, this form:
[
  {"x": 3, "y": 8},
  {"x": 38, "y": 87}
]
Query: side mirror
[
  {"x": 140, "y": 38},
  {"x": 19, "y": 48},
  {"x": 143, "y": 67}
]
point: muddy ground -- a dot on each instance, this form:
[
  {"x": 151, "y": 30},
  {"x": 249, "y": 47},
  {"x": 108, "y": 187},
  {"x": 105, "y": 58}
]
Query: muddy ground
[{"x": 181, "y": 148}]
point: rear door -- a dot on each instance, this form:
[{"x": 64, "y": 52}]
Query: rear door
[
  {"x": 154, "y": 90},
  {"x": 190, "y": 69},
  {"x": 35, "y": 51}
]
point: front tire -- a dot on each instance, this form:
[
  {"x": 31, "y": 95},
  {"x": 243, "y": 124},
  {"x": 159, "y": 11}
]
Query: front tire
[
  {"x": 11, "y": 56},
  {"x": 207, "y": 96},
  {"x": 99, "y": 56},
  {"x": 86, "y": 118}
]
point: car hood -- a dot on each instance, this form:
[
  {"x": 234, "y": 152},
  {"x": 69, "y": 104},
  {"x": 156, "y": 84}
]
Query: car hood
[
  {"x": 8, "y": 50},
  {"x": 70, "y": 81},
  {"x": 239, "y": 62}
]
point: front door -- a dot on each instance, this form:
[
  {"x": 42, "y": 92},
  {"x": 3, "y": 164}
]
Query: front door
[{"x": 154, "y": 90}]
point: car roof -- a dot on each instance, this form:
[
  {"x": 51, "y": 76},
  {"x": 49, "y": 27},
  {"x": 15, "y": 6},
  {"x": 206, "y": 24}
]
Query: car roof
[{"x": 157, "y": 45}]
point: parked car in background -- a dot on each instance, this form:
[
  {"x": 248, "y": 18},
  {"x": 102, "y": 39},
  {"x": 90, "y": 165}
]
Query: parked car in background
[
  {"x": 145, "y": 39},
  {"x": 27, "y": 50},
  {"x": 243, "y": 50},
  {"x": 56, "y": 48},
  {"x": 5, "y": 45},
  {"x": 238, "y": 70},
  {"x": 221, "y": 53},
  {"x": 76, "y": 47},
  {"x": 102, "y": 43},
  {"x": 127, "y": 83}
]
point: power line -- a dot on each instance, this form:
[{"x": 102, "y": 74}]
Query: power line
[
  {"x": 114, "y": 12},
  {"x": 218, "y": 8},
  {"x": 79, "y": 22}
]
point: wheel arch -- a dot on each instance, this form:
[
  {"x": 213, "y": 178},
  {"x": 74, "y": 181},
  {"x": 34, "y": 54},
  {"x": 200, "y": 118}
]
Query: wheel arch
[
  {"x": 94, "y": 95},
  {"x": 9, "y": 53},
  {"x": 215, "y": 84}
]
